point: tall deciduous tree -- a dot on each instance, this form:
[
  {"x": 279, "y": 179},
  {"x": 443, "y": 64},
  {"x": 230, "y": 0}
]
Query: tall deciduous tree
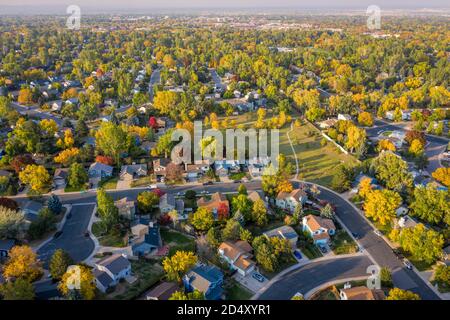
[
  {"x": 22, "y": 263},
  {"x": 112, "y": 140},
  {"x": 381, "y": 205},
  {"x": 178, "y": 264}
]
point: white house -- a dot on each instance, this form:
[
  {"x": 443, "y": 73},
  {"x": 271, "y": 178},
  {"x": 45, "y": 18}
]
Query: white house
[
  {"x": 320, "y": 229},
  {"x": 289, "y": 201},
  {"x": 238, "y": 256},
  {"x": 109, "y": 271}
]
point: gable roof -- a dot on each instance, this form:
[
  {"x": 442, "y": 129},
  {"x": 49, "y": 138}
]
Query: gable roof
[
  {"x": 115, "y": 263},
  {"x": 296, "y": 194},
  {"x": 153, "y": 236},
  {"x": 285, "y": 232},
  {"x": 100, "y": 167},
  {"x": 202, "y": 276},
  {"x": 363, "y": 293},
  {"x": 103, "y": 278},
  {"x": 163, "y": 291},
  {"x": 315, "y": 223},
  {"x": 216, "y": 199}
]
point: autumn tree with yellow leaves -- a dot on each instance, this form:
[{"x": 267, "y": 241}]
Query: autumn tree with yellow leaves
[
  {"x": 22, "y": 263},
  {"x": 178, "y": 264},
  {"x": 37, "y": 177},
  {"x": 381, "y": 205}
]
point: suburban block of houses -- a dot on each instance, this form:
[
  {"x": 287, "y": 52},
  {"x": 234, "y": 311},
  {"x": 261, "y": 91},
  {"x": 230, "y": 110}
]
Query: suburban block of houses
[{"x": 238, "y": 256}]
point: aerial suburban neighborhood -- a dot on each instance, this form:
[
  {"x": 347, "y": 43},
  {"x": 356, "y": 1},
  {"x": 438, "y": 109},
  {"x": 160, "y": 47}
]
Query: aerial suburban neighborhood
[{"x": 103, "y": 196}]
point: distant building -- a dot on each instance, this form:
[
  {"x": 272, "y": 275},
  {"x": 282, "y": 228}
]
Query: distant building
[
  {"x": 151, "y": 241},
  {"x": 217, "y": 200},
  {"x": 126, "y": 207}
]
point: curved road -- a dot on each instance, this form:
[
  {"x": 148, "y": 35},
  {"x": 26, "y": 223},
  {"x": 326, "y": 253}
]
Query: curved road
[{"x": 311, "y": 275}]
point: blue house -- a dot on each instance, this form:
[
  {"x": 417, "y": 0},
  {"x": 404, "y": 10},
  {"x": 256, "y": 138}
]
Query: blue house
[
  {"x": 100, "y": 170},
  {"x": 152, "y": 240},
  {"x": 206, "y": 279}
]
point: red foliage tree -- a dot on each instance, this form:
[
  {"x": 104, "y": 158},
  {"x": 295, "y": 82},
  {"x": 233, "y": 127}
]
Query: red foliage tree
[
  {"x": 8, "y": 203},
  {"x": 105, "y": 160},
  {"x": 164, "y": 220},
  {"x": 158, "y": 192},
  {"x": 21, "y": 161},
  {"x": 414, "y": 134},
  {"x": 222, "y": 211},
  {"x": 153, "y": 123}
]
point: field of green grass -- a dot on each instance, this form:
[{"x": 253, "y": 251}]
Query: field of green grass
[
  {"x": 235, "y": 291},
  {"x": 109, "y": 184}
]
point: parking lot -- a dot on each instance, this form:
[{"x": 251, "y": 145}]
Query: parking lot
[{"x": 249, "y": 282}]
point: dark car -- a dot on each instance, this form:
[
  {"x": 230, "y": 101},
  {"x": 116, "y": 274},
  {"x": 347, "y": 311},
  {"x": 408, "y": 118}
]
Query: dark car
[
  {"x": 208, "y": 183},
  {"x": 57, "y": 234},
  {"x": 297, "y": 254},
  {"x": 69, "y": 216},
  {"x": 355, "y": 235},
  {"x": 86, "y": 234},
  {"x": 237, "y": 181},
  {"x": 323, "y": 249}
]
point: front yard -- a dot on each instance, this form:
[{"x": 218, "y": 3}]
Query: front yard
[
  {"x": 147, "y": 272},
  {"x": 235, "y": 291},
  {"x": 342, "y": 243},
  {"x": 108, "y": 184},
  {"x": 115, "y": 238}
]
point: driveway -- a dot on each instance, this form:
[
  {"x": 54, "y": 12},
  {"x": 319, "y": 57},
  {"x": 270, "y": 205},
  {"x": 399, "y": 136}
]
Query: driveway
[
  {"x": 249, "y": 282},
  {"x": 72, "y": 239},
  {"x": 123, "y": 184},
  {"x": 314, "y": 274}
]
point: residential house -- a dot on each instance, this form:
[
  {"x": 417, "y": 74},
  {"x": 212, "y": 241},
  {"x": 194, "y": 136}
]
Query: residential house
[
  {"x": 100, "y": 170},
  {"x": 255, "y": 196},
  {"x": 257, "y": 165},
  {"x": 283, "y": 232},
  {"x": 149, "y": 242},
  {"x": 131, "y": 172},
  {"x": 320, "y": 229},
  {"x": 195, "y": 171},
  {"x": 206, "y": 279},
  {"x": 162, "y": 291},
  {"x": 225, "y": 167},
  {"x": 159, "y": 167},
  {"x": 361, "y": 293},
  {"x": 406, "y": 222},
  {"x": 167, "y": 203},
  {"x": 238, "y": 255},
  {"x": 345, "y": 117},
  {"x": 217, "y": 200},
  {"x": 290, "y": 200},
  {"x": 147, "y": 146},
  {"x": 5, "y": 247},
  {"x": 60, "y": 177},
  {"x": 327, "y": 123},
  {"x": 110, "y": 270},
  {"x": 126, "y": 207},
  {"x": 56, "y": 106}
]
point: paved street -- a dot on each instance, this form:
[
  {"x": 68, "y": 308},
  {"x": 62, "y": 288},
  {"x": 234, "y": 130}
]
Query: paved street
[
  {"x": 314, "y": 274},
  {"x": 72, "y": 239},
  {"x": 155, "y": 78}
]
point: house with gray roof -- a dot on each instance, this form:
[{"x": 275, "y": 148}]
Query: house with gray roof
[
  {"x": 110, "y": 270},
  {"x": 130, "y": 172},
  {"x": 148, "y": 243},
  {"x": 206, "y": 279},
  {"x": 100, "y": 170},
  {"x": 31, "y": 210},
  {"x": 283, "y": 232}
]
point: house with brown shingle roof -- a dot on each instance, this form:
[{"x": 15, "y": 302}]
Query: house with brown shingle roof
[
  {"x": 238, "y": 256},
  {"x": 289, "y": 200},
  {"x": 320, "y": 229},
  {"x": 361, "y": 293},
  {"x": 217, "y": 199}
]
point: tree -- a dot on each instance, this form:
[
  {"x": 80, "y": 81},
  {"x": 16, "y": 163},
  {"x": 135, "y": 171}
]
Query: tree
[
  {"x": 381, "y": 205},
  {"x": 365, "y": 187},
  {"x": 214, "y": 237},
  {"x": 264, "y": 253},
  {"x": 59, "y": 263},
  {"x": 413, "y": 135},
  {"x": 44, "y": 223},
  {"x": 105, "y": 160},
  {"x": 430, "y": 204},
  {"x": 8, "y": 203},
  {"x": 392, "y": 171},
  {"x": 20, "y": 162},
  {"x": 178, "y": 264},
  {"x": 386, "y": 277},
  {"x": 399, "y": 294},
  {"x": 246, "y": 235},
  {"x": 259, "y": 213},
  {"x": 79, "y": 282},
  {"x": 365, "y": 119},
  {"x": 194, "y": 295},
  {"x": 242, "y": 189},
  {"x": 356, "y": 138},
  {"x": 109, "y": 214},
  {"x": 112, "y": 140},
  {"x": 68, "y": 156},
  {"x": 11, "y": 223},
  {"x": 285, "y": 186},
  {"x": 442, "y": 175},
  {"x": 423, "y": 244},
  {"x": 77, "y": 177},
  {"x": 19, "y": 289},
  {"x": 54, "y": 204},
  {"x": 385, "y": 144},
  {"x": 174, "y": 172},
  {"x": 146, "y": 201},
  {"x": 416, "y": 148},
  {"x": 222, "y": 211},
  {"x": 25, "y": 96},
  {"x": 165, "y": 101},
  {"x": 202, "y": 219},
  {"x": 22, "y": 263},
  {"x": 327, "y": 212},
  {"x": 342, "y": 178},
  {"x": 442, "y": 276},
  {"x": 242, "y": 204},
  {"x": 270, "y": 181},
  {"x": 232, "y": 230},
  {"x": 37, "y": 177}
]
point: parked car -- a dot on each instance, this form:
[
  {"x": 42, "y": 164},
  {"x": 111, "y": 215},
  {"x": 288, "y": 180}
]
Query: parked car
[
  {"x": 355, "y": 235},
  {"x": 377, "y": 232},
  {"x": 407, "y": 264},
  {"x": 69, "y": 216},
  {"x": 323, "y": 249},
  {"x": 57, "y": 234},
  {"x": 297, "y": 254},
  {"x": 86, "y": 234},
  {"x": 208, "y": 183},
  {"x": 258, "y": 277}
]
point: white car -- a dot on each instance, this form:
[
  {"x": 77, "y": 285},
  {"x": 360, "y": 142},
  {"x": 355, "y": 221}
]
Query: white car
[
  {"x": 407, "y": 264},
  {"x": 378, "y": 233}
]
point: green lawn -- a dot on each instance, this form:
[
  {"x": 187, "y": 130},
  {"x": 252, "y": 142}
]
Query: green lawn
[
  {"x": 112, "y": 239},
  {"x": 177, "y": 241},
  {"x": 148, "y": 272},
  {"x": 316, "y": 162},
  {"x": 144, "y": 181},
  {"x": 71, "y": 189},
  {"x": 235, "y": 291},
  {"x": 109, "y": 183},
  {"x": 342, "y": 243}
]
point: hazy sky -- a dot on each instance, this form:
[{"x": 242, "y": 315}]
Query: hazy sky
[{"x": 107, "y": 5}]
